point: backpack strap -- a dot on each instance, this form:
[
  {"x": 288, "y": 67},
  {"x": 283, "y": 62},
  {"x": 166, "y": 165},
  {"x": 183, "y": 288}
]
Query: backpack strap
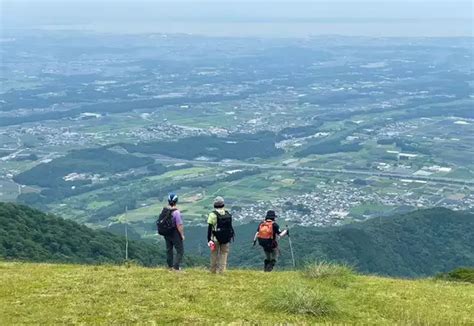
[
  {"x": 218, "y": 215},
  {"x": 273, "y": 231},
  {"x": 171, "y": 211}
]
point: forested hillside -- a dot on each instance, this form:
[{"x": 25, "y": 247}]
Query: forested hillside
[
  {"x": 424, "y": 242},
  {"x": 30, "y": 235}
]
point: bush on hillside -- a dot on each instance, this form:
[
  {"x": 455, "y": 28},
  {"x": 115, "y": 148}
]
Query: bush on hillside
[
  {"x": 300, "y": 300},
  {"x": 325, "y": 269},
  {"x": 462, "y": 274}
]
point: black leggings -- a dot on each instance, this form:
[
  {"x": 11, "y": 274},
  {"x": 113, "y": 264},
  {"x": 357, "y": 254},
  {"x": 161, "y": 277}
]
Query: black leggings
[{"x": 174, "y": 241}]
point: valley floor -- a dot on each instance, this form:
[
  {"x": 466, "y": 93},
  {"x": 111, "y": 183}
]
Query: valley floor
[{"x": 75, "y": 294}]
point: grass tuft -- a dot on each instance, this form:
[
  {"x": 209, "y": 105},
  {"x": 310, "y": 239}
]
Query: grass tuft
[
  {"x": 462, "y": 274},
  {"x": 318, "y": 270},
  {"x": 300, "y": 300},
  {"x": 337, "y": 275}
]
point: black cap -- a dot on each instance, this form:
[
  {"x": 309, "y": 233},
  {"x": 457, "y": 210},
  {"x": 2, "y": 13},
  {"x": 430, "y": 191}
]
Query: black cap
[{"x": 271, "y": 215}]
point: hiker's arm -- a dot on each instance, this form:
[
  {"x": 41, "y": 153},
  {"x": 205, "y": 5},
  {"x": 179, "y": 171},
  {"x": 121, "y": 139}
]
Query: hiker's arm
[
  {"x": 179, "y": 223},
  {"x": 180, "y": 228},
  {"x": 209, "y": 232},
  {"x": 276, "y": 231},
  {"x": 283, "y": 233},
  {"x": 211, "y": 221}
]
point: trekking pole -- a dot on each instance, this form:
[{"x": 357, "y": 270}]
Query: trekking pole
[{"x": 291, "y": 246}]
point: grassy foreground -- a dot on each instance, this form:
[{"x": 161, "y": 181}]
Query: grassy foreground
[{"x": 72, "y": 294}]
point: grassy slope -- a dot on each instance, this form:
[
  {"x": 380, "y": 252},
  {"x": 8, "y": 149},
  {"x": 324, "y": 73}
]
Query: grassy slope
[{"x": 46, "y": 294}]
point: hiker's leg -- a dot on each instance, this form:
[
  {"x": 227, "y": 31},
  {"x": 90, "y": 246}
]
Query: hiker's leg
[
  {"x": 214, "y": 255},
  {"x": 223, "y": 253},
  {"x": 265, "y": 265},
  {"x": 179, "y": 245},
  {"x": 169, "y": 251},
  {"x": 273, "y": 256},
  {"x": 266, "y": 262}
]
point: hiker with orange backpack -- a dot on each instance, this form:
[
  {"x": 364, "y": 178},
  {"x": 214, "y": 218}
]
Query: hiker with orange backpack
[{"x": 267, "y": 235}]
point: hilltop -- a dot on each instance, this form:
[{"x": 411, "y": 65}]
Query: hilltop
[
  {"x": 73, "y": 294},
  {"x": 98, "y": 294}
]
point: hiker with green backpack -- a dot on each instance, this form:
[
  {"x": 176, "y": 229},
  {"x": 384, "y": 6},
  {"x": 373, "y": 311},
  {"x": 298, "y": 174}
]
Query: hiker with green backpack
[
  {"x": 219, "y": 234},
  {"x": 170, "y": 226},
  {"x": 267, "y": 235}
]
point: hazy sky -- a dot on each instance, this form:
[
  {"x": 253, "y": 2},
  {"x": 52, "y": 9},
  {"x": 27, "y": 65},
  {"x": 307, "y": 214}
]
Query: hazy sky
[{"x": 245, "y": 17}]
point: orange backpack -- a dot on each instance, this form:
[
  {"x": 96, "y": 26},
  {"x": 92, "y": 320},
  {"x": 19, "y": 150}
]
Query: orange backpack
[{"x": 265, "y": 230}]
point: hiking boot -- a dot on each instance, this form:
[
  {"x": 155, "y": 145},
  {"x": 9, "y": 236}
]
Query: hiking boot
[
  {"x": 271, "y": 264},
  {"x": 266, "y": 264}
]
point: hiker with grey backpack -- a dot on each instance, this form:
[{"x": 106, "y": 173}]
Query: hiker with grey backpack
[
  {"x": 170, "y": 226},
  {"x": 268, "y": 233},
  {"x": 219, "y": 235}
]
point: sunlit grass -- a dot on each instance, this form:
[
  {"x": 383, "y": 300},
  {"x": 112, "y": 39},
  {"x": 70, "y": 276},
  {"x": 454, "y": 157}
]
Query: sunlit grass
[{"x": 75, "y": 294}]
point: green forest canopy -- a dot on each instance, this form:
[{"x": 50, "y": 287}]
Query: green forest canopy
[{"x": 30, "y": 235}]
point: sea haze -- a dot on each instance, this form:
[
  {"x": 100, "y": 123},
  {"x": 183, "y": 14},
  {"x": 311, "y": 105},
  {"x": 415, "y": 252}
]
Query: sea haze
[{"x": 245, "y": 18}]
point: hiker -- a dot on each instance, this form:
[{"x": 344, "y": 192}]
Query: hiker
[
  {"x": 267, "y": 234},
  {"x": 219, "y": 234},
  {"x": 170, "y": 225}
]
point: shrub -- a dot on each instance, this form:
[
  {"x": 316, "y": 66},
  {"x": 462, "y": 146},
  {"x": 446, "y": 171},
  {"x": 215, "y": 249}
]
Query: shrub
[
  {"x": 462, "y": 274},
  {"x": 297, "y": 299},
  {"x": 319, "y": 270}
]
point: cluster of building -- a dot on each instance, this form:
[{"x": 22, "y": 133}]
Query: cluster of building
[
  {"x": 397, "y": 128},
  {"x": 51, "y": 136},
  {"x": 330, "y": 206},
  {"x": 298, "y": 142},
  {"x": 165, "y": 131}
]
